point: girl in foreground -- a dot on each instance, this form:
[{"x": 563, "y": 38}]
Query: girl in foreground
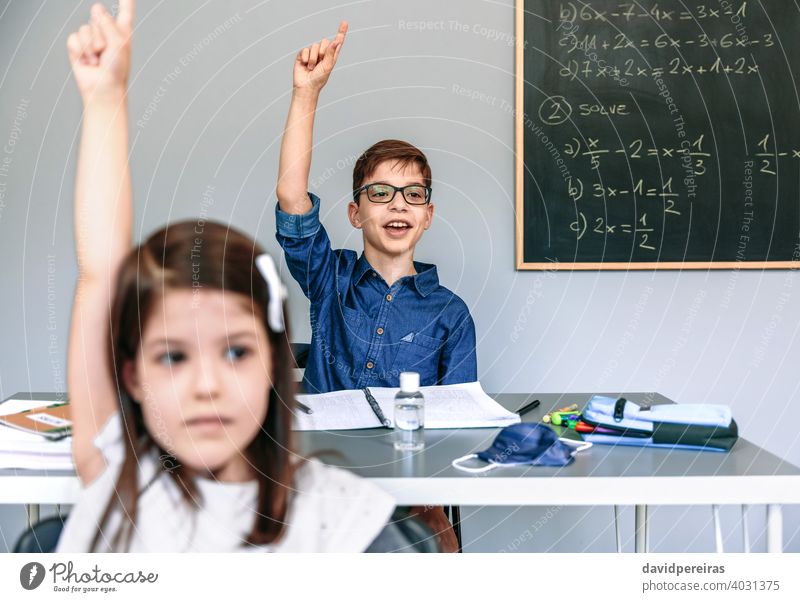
[{"x": 179, "y": 370}]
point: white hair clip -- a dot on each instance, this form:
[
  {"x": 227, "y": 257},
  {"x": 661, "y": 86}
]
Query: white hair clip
[{"x": 277, "y": 292}]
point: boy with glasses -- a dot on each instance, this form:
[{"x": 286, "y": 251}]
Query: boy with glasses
[{"x": 382, "y": 313}]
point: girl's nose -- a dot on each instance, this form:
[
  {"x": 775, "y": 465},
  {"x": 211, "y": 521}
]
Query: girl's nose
[{"x": 207, "y": 383}]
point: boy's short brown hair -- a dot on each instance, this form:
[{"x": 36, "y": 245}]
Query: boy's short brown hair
[{"x": 402, "y": 153}]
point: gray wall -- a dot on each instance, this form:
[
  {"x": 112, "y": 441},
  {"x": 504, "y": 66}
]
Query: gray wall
[{"x": 207, "y": 111}]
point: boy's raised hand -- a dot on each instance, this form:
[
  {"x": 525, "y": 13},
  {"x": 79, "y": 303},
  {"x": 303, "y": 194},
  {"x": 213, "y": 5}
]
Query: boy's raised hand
[
  {"x": 100, "y": 52},
  {"x": 314, "y": 64}
]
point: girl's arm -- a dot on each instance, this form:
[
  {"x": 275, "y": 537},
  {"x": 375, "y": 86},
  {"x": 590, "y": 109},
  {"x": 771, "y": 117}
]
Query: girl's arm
[
  {"x": 312, "y": 68},
  {"x": 99, "y": 53}
]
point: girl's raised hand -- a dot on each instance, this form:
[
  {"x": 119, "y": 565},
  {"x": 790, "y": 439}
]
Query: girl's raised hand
[
  {"x": 314, "y": 64},
  {"x": 100, "y": 52}
]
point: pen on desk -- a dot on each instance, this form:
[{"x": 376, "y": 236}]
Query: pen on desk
[
  {"x": 528, "y": 406},
  {"x": 376, "y": 408},
  {"x": 304, "y": 407},
  {"x": 52, "y": 405}
]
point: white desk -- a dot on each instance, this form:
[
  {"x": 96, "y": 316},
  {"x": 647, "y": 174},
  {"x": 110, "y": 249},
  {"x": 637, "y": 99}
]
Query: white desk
[{"x": 603, "y": 475}]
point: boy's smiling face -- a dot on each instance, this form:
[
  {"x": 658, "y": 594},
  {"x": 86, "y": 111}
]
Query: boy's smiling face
[{"x": 391, "y": 229}]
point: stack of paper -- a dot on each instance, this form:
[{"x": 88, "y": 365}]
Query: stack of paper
[
  {"x": 446, "y": 406},
  {"x": 19, "y": 449}
]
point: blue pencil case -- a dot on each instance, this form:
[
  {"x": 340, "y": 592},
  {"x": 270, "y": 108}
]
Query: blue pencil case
[{"x": 678, "y": 426}]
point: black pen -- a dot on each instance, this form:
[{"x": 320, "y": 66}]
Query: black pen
[
  {"x": 528, "y": 406},
  {"x": 304, "y": 407},
  {"x": 376, "y": 408}
]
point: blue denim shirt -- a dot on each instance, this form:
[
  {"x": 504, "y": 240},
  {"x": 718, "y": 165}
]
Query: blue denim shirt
[{"x": 364, "y": 332}]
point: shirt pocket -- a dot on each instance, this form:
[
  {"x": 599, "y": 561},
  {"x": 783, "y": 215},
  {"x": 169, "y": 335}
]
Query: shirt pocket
[{"x": 420, "y": 354}]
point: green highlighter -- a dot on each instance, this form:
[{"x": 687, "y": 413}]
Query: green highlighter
[{"x": 561, "y": 418}]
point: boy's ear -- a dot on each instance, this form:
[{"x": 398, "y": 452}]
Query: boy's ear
[
  {"x": 428, "y": 215},
  {"x": 131, "y": 381},
  {"x": 352, "y": 214}
]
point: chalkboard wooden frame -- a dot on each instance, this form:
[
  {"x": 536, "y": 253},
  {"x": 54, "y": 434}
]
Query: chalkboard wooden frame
[{"x": 519, "y": 148}]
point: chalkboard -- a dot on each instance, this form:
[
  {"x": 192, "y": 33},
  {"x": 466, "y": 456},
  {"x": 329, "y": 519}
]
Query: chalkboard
[{"x": 657, "y": 134}]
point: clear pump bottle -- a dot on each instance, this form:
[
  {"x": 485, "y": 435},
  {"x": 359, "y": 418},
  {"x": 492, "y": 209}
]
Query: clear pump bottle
[{"x": 409, "y": 414}]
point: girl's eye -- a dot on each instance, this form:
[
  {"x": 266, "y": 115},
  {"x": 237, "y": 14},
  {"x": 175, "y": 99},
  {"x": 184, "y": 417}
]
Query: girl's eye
[
  {"x": 170, "y": 358},
  {"x": 235, "y": 352}
]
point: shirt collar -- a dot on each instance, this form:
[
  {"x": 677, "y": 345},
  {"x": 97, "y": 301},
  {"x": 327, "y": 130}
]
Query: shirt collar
[
  {"x": 425, "y": 280},
  {"x": 361, "y": 269}
]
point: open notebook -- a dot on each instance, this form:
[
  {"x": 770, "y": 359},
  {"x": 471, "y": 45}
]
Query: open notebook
[
  {"x": 20, "y": 449},
  {"x": 446, "y": 406}
]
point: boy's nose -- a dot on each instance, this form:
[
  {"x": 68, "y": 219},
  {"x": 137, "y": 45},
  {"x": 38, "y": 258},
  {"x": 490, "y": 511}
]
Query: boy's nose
[{"x": 398, "y": 203}]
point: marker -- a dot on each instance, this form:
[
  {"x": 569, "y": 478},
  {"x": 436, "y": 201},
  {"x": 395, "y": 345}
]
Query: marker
[
  {"x": 567, "y": 411},
  {"x": 528, "y": 406},
  {"x": 560, "y": 418},
  {"x": 582, "y": 427}
]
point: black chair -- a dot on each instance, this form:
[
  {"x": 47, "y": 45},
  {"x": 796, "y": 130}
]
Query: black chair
[
  {"x": 300, "y": 353},
  {"x": 41, "y": 537},
  {"x": 403, "y": 533}
]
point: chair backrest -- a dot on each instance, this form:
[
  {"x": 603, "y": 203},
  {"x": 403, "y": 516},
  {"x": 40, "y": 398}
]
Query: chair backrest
[
  {"x": 405, "y": 533},
  {"x": 300, "y": 353},
  {"x": 41, "y": 537}
]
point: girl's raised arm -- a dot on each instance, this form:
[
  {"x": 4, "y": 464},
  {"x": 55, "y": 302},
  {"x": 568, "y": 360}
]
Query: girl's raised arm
[{"x": 99, "y": 53}]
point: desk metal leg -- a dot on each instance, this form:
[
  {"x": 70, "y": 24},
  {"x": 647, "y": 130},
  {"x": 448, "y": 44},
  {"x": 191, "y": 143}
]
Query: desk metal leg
[
  {"x": 745, "y": 529},
  {"x": 641, "y": 530},
  {"x": 717, "y": 529},
  {"x": 617, "y": 535},
  {"x": 774, "y": 528},
  {"x": 32, "y": 510}
]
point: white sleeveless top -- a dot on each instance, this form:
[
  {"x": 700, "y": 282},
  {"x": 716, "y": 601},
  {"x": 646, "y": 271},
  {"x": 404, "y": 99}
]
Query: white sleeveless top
[{"x": 330, "y": 510}]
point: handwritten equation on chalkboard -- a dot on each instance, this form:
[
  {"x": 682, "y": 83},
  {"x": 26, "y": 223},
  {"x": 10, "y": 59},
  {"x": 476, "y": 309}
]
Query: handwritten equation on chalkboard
[{"x": 659, "y": 135}]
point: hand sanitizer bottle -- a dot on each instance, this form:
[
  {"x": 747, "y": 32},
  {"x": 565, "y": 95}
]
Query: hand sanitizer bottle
[{"x": 409, "y": 414}]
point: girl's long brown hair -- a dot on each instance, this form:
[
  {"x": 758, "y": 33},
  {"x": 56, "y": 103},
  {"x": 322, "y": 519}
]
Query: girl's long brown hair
[{"x": 196, "y": 255}]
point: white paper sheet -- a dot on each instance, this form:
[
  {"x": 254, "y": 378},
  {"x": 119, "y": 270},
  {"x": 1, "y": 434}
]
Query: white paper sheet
[{"x": 447, "y": 406}]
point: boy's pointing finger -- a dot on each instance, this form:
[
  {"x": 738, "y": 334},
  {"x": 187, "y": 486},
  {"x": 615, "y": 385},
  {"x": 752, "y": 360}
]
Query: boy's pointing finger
[
  {"x": 342, "y": 31},
  {"x": 336, "y": 45}
]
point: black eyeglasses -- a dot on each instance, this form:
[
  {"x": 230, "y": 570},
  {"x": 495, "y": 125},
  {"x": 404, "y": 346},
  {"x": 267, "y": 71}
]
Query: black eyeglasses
[{"x": 413, "y": 194}]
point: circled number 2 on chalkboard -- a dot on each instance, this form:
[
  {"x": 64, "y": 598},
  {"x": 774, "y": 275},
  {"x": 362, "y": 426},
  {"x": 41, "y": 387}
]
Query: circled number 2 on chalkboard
[{"x": 555, "y": 110}]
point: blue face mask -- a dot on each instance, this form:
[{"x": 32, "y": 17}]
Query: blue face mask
[{"x": 525, "y": 444}]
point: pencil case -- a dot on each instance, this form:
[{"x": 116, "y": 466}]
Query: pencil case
[{"x": 679, "y": 426}]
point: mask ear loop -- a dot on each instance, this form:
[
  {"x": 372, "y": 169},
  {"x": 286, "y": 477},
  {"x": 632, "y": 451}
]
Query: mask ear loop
[
  {"x": 578, "y": 445},
  {"x": 456, "y": 464},
  {"x": 277, "y": 292}
]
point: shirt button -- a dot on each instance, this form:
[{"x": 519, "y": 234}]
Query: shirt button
[
  {"x": 370, "y": 365},
  {"x": 374, "y": 274},
  {"x": 389, "y": 297},
  {"x": 379, "y": 331}
]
